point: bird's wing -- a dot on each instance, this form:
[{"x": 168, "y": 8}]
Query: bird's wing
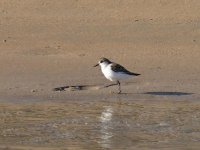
[{"x": 118, "y": 68}]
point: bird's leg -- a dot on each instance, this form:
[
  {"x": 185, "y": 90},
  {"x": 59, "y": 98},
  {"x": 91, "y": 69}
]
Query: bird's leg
[
  {"x": 110, "y": 85},
  {"x": 119, "y": 87}
]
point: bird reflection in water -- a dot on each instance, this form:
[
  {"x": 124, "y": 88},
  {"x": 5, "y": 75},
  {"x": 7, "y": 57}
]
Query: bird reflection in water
[{"x": 106, "y": 127}]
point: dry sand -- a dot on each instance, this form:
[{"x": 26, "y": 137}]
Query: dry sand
[{"x": 47, "y": 44}]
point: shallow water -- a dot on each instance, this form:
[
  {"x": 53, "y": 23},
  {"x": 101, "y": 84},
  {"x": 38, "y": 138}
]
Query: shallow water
[{"x": 100, "y": 124}]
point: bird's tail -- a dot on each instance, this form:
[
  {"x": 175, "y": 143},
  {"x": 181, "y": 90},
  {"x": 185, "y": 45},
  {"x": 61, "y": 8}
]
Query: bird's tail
[{"x": 134, "y": 74}]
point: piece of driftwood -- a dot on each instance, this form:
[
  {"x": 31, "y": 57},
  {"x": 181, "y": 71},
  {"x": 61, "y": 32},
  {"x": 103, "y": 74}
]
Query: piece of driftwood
[{"x": 82, "y": 87}]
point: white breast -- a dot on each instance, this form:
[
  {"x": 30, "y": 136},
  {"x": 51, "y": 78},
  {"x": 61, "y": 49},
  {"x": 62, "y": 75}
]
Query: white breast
[
  {"x": 111, "y": 75},
  {"x": 106, "y": 70}
]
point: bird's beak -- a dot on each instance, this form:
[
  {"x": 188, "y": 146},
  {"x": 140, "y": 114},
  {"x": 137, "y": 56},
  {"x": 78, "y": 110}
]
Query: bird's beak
[{"x": 96, "y": 65}]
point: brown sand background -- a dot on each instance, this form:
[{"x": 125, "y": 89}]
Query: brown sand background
[{"x": 46, "y": 44}]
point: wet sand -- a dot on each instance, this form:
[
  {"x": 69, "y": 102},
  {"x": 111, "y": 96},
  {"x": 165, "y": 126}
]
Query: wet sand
[
  {"x": 45, "y": 45},
  {"x": 101, "y": 124}
]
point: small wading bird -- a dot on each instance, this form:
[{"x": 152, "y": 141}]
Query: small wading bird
[{"x": 114, "y": 72}]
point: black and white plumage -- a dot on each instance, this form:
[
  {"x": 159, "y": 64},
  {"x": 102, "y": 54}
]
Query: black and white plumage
[{"x": 114, "y": 72}]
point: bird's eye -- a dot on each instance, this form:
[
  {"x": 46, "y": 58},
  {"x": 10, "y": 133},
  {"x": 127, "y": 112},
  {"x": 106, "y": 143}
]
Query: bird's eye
[{"x": 101, "y": 61}]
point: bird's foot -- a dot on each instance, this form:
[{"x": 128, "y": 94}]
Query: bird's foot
[{"x": 120, "y": 92}]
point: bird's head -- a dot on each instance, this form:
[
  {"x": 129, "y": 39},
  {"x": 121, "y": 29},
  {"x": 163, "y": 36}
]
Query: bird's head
[{"x": 103, "y": 62}]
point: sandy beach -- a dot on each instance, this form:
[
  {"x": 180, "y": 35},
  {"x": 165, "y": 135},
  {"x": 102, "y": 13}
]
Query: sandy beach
[{"x": 50, "y": 44}]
